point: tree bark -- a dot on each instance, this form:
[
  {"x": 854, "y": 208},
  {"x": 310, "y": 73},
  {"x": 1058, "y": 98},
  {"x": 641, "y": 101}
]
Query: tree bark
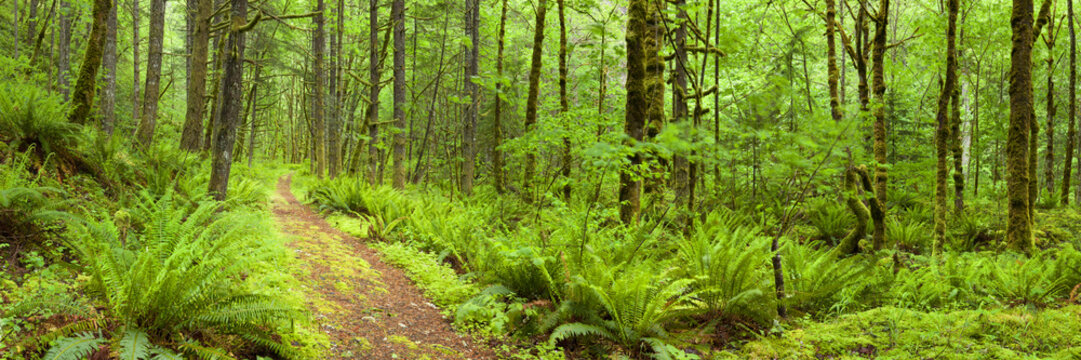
[
  {"x": 135, "y": 106},
  {"x": 1049, "y": 169},
  {"x": 878, "y": 88},
  {"x": 1071, "y": 132},
  {"x": 86, "y": 83},
  {"x": 942, "y": 130},
  {"x": 191, "y": 136},
  {"x": 534, "y": 91},
  {"x": 831, "y": 61},
  {"x": 373, "y": 77},
  {"x": 225, "y": 129},
  {"x": 680, "y": 167},
  {"x": 1019, "y": 225},
  {"x": 321, "y": 155},
  {"x": 638, "y": 34},
  {"x": 564, "y": 105},
  {"x": 398, "y": 14},
  {"x": 63, "y": 49},
  {"x": 108, "y": 98},
  {"x": 145, "y": 132},
  {"x": 497, "y": 131}
]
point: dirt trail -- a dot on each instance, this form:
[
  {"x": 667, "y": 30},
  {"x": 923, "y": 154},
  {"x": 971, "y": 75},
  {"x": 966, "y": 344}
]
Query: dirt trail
[{"x": 368, "y": 309}]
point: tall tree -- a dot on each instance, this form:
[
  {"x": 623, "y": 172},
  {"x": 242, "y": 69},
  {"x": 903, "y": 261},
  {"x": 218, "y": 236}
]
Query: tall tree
[
  {"x": 534, "y": 92},
  {"x": 191, "y": 137},
  {"x": 398, "y": 15},
  {"x": 322, "y": 156},
  {"x": 86, "y": 83},
  {"x": 1049, "y": 169},
  {"x": 145, "y": 132},
  {"x": 564, "y": 104},
  {"x": 108, "y": 97},
  {"x": 831, "y": 61},
  {"x": 680, "y": 167},
  {"x": 497, "y": 131},
  {"x": 637, "y": 36},
  {"x": 225, "y": 130},
  {"x": 63, "y": 49},
  {"x": 878, "y": 88},
  {"x": 135, "y": 61},
  {"x": 1018, "y": 223},
  {"x": 942, "y": 129},
  {"x": 472, "y": 91},
  {"x": 373, "y": 78},
  {"x": 1071, "y": 132}
]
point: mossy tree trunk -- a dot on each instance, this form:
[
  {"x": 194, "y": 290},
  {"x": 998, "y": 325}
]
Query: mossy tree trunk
[
  {"x": 564, "y": 105},
  {"x": 1018, "y": 224},
  {"x": 63, "y": 49},
  {"x": 135, "y": 61},
  {"x": 680, "y": 167},
  {"x": 1071, "y": 132},
  {"x": 534, "y": 91},
  {"x": 472, "y": 92},
  {"x": 191, "y": 136},
  {"x": 109, "y": 59},
  {"x": 1049, "y": 156},
  {"x": 638, "y": 33},
  {"x": 321, "y": 155},
  {"x": 942, "y": 129},
  {"x": 86, "y": 83},
  {"x": 497, "y": 126},
  {"x": 955, "y": 144},
  {"x": 831, "y": 61},
  {"x": 147, "y": 124},
  {"x": 373, "y": 96},
  {"x": 878, "y": 87},
  {"x": 398, "y": 14},
  {"x": 856, "y": 182},
  {"x": 225, "y": 130}
]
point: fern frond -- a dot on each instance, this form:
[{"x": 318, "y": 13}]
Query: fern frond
[
  {"x": 566, "y": 331},
  {"x": 74, "y": 348},
  {"x": 135, "y": 345}
]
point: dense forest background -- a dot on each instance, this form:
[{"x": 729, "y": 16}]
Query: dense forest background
[{"x": 697, "y": 179}]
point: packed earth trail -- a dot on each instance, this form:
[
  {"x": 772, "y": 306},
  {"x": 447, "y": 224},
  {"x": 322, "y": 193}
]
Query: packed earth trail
[{"x": 367, "y": 308}]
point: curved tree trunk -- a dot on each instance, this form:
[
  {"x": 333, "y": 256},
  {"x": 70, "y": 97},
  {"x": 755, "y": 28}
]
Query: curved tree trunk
[{"x": 86, "y": 83}]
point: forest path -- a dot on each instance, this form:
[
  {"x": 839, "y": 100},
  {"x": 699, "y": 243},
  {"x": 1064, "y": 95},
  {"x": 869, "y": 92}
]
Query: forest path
[{"x": 368, "y": 309}]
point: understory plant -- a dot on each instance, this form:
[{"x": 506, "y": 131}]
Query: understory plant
[{"x": 179, "y": 285}]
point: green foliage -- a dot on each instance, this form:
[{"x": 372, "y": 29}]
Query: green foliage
[
  {"x": 32, "y": 116},
  {"x": 74, "y": 348},
  {"x": 912, "y": 236},
  {"x": 727, "y": 266},
  {"x": 832, "y": 219},
  {"x": 183, "y": 274},
  {"x": 815, "y": 277}
]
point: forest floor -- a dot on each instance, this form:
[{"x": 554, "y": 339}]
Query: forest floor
[{"x": 367, "y": 308}]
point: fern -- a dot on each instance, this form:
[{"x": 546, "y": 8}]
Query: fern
[
  {"x": 725, "y": 263},
  {"x": 816, "y": 276},
  {"x": 135, "y": 345},
  {"x": 74, "y": 348}
]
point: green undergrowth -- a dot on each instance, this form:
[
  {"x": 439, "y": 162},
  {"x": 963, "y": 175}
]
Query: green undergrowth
[
  {"x": 895, "y": 333},
  {"x": 567, "y": 276}
]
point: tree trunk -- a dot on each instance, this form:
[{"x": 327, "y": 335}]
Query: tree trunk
[
  {"x": 135, "y": 106},
  {"x": 680, "y": 167},
  {"x": 638, "y": 34},
  {"x": 63, "y": 49},
  {"x": 225, "y": 129},
  {"x": 943, "y": 127},
  {"x": 86, "y": 83},
  {"x": 321, "y": 155},
  {"x": 831, "y": 61},
  {"x": 878, "y": 88},
  {"x": 1019, "y": 225},
  {"x": 191, "y": 137},
  {"x": 534, "y": 92},
  {"x": 955, "y": 143},
  {"x": 1049, "y": 171},
  {"x": 145, "y": 132},
  {"x": 1071, "y": 132},
  {"x": 108, "y": 98},
  {"x": 497, "y": 131},
  {"x": 373, "y": 78},
  {"x": 398, "y": 14},
  {"x": 564, "y": 105},
  {"x": 253, "y": 108}
]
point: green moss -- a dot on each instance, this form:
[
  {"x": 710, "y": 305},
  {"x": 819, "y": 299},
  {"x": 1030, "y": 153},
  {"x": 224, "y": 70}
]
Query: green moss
[{"x": 892, "y": 333}]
